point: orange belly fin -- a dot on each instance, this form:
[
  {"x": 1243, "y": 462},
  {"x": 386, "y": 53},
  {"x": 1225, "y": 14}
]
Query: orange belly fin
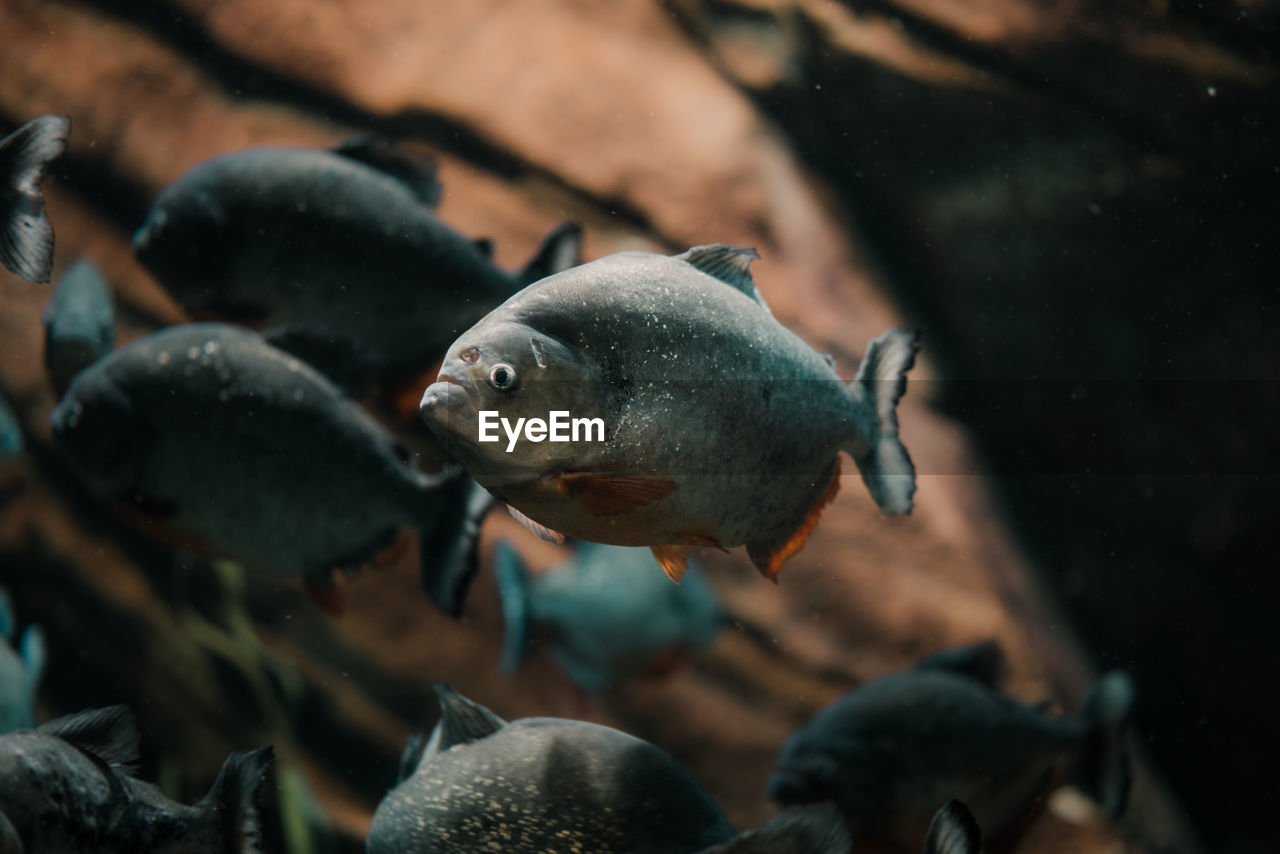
[
  {"x": 612, "y": 493},
  {"x": 770, "y": 556},
  {"x": 673, "y": 559},
  {"x": 540, "y": 530}
]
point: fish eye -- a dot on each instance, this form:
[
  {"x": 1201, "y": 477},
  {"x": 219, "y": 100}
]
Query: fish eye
[{"x": 502, "y": 377}]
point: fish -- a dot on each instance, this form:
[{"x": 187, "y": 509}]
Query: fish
[
  {"x": 79, "y": 323},
  {"x": 719, "y": 426},
  {"x": 479, "y": 783},
  {"x": 26, "y": 235},
  {"x": 887, "y": 752},
  {"x": 69, "y": 786},
  {"x": 209, "y": 437},
  {"x": 608, "y": 615},
  {"x": 11, "y": 441},
  {"x": 953, "y": 830},
  {"x": 343, "y": 239},
  {"x": 20, "y": 670}
]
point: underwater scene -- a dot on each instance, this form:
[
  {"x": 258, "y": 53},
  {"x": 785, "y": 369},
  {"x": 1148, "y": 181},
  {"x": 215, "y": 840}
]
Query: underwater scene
[{"x": 638, "y": 426}]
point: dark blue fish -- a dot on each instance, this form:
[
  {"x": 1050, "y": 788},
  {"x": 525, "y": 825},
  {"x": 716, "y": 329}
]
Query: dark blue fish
[
  {"x": 26, "y": 235},
  {"x": 556, "y": 785},
  {"x": 20, "y": 670},
  {"x": 208, "y": 436},
  {"x": 67, "y": 787},
  {"x": 346, "y": 240},
  {"x": 888, "y": 752},
  {"x": 79, "y": 323},
  {"x": 609, "y": 615}
]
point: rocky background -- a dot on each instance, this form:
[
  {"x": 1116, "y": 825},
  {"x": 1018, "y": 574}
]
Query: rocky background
[{"x": 1074, "y": 200}]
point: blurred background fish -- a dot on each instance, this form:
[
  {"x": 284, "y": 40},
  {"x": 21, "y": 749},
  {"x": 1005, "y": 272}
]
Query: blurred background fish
[
  {"x": 607, "y": 614},
  {"x": 21, "y": 665},
  {"x": 79, "y": 323}
]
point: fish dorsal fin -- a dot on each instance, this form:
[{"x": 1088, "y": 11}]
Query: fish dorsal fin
[
  {"x": 415, "y": 745},
  {"x": 416, "y": 172},
  {"x": 953, "y": 831},
  {"x": 462, "y": 721},
  {"x": 983, "y": 662},
  {"x": 344, "y": 361},
  {"x": 484, "y": 245},
  {"x": 729, "y": 264},
  {"x": 539, "y": 530},
  {"x": 110, "y": 734}
]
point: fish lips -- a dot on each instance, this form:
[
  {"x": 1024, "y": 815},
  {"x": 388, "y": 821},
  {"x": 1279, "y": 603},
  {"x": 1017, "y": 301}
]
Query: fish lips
[{"x": 447, "y": 409}]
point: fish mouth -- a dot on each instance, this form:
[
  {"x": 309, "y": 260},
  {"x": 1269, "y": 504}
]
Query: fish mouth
[{"x": 446, "y": 406}]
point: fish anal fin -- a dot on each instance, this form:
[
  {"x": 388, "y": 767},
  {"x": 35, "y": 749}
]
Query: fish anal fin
[
  {"x": 770, "y": 556},
  {"x": 613, "y": 493},
  {"x": 673, "y": 559},
  {"x": 539, "y": 530}
]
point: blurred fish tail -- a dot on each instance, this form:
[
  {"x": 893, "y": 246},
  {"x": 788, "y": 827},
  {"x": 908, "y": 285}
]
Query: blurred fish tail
[
  {"x": 1103, "y": 769},
  {"x": 233, "y": 800},
  {"x": 559, "y": 250},
  {"x": 514, "y": 590},
  {"x": 450, "y": 540},
  {"x": 881, "y": 457},
  {"x": 26, "y": 235},
  {"x": 953, "y": 831}
]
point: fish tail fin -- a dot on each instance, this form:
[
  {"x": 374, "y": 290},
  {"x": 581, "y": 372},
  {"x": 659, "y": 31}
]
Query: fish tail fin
[
  {"x": 1103, "y": 768},
  {"x": 559, "y": 250},
  {"x": 813, "y": 829},
  {"x": 450, "y": 539},
  {"x": 26, "y": 235},
  {"x": 953, "y": 830},
  {"x": 514, "y": 590},
  {"x": 233, "y": 799},
  {"x": 881, "y": 457}
]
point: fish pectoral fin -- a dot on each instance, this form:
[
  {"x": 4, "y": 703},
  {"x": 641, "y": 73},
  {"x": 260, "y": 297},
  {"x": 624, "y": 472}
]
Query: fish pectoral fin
[
  {"x": 109, "y": 734},
  {"x": 324, "y": 592},
  {"x": 770, "y": 555},
  {"x": 539, "y": 530},
  {"x": 613, "y": 493},
  {"x": 673, "y": 559}
]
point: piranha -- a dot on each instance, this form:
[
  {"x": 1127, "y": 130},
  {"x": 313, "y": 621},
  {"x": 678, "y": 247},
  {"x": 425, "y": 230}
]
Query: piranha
[
  {"x": 20, "y": 670},
  {"x": 557, "y": 785},
  {"x": 889, "y": 751},
  {"x": 209, "y": 437},
  {"x": 26, "y": 235},
  {"x": 722, "y": 426},
  {"x": 68, "y": 786},
  {"x": 345, "y": 239},
  {"x": 79, "y": 323},
  {"x": 608, "y": 615}
]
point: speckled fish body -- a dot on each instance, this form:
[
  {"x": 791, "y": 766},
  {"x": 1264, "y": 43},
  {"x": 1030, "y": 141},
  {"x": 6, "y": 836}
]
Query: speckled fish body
[
  {"x": 608, "y": 613},
  {"x": 342, "y": 239},
  {"x": 21, "y": 665},
  {"x": 26, "y": 235},
  {"x": 67, "y": 787},
  {"x": 79, "y": 323},
  {"x": 722, "y": 427},
  {"x": 889, "y": 752},
  {"x": 210, "y": 436},
  {"x": 541, "y": 784}
]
